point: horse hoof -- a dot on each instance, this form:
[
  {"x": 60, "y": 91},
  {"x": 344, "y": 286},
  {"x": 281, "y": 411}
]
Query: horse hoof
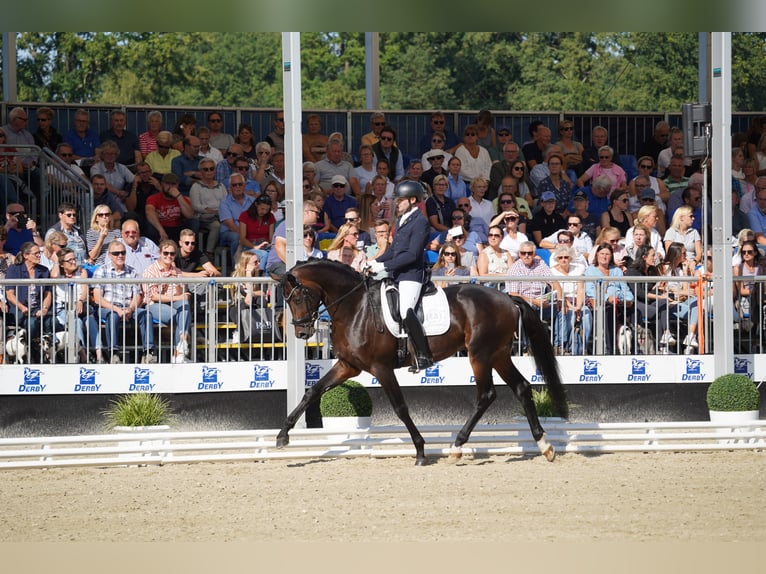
[
  {"x": 550, "y": 453},
  {"x": 455, "y": 455},
  {"x": 421, "y": 461},
  {"x": 282, "y": 441}
]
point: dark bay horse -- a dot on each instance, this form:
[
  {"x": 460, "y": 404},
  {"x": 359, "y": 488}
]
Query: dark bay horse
[{"x": 483, "y": 321}]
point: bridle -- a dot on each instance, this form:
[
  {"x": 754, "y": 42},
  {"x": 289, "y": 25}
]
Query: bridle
[{"x": 314, "y": 300}]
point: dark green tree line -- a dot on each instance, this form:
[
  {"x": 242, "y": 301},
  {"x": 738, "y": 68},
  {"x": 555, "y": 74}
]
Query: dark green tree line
[{"x": 463, "y": 70}]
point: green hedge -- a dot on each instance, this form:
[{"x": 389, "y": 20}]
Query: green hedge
[
  {"x": 733, "y": 392},
  {"x": 349, "y": 399}
]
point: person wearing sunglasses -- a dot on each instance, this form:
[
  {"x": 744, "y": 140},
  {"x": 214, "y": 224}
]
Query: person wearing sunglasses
[
  {"x": 581, "y": 242},
  {"x": 645, "y": 166},
  {"x": 20, "y": 229},
  {"x": 147, "y": 141},
  {"x": 605, "y": 167},
  {"x": 748, "y": 295},
  {"x": 510, "y": 219},
  {"x": 448, "y": 264},
  {"x": 219, "y": 138},
  {"x": 542, "y": 295},
  {"x": 30, "y": 305},
  {"x": 438, "y": 153},
  {"x": 120, "y": 304},
  {"x": 100, "y": 234},
  {"x": 387, "y": 149},
  {"x": 377, "y": 122},
  {"x": 193, "y": 262},
  {"x": 570, "y": 148},
  {"x": 574, "y": 321},
  {"x": 67, "y": 224},
  {"x": 338, "y": 201},
  {"x": 474, "y": 158},
  {"x": 161, "y": 159},
  {"x": 169, "y": 211},
  {"x": 186, "y": 165},
  {"x": 658, "y": 141},
  {"x": 333, "y": 165},
  {"x": 168, "y": 303},
  {"x": 206, "y": 196},
  {"x": 493, "y": 259},
  {"x": 75, "y": 296},
  {"x": 599, "y": 138},
  {"x": 438, "y": 125},
  {"x": 347, "y": 248},
  {"x": 119, "y": 178}
]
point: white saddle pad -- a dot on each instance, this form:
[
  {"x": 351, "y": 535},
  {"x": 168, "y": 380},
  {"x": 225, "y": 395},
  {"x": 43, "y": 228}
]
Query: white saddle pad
[{"x": 436, "y": 315}]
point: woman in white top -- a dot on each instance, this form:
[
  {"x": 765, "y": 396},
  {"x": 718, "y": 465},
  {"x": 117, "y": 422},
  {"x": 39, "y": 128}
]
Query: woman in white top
[
  {"x": 681, "y": 230},
  {"x": 573, "y": 311},
  {"x": 475, "y": 160},
  {"x": 481, "y": 207},
  {"x": 646, "y": 167},
  {"x": 366, "y": 170},
  {"x": 649, "y": 216},
  {"x": 513, "y": 237},
  {"x": 493, "y": 260}
]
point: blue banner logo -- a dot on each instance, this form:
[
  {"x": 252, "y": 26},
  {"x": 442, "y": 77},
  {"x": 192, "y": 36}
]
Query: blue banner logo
[
  {"x": 261, "y": 377},
  {"x": 590, "y": 371},
  {"x": 638, "y": 371},
  {"x": 87, "y": 383},
  {"x": 141, "y": 380},
  {"x": 210, "y": 380},
  {"x": 32, "y": 381}
]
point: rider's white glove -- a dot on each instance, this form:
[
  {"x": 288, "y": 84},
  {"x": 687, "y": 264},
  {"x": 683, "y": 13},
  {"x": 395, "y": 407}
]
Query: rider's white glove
[{"x": 376, "y": 266}]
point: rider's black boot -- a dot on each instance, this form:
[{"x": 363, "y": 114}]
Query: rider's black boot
[{"x": 422, "y": 358}]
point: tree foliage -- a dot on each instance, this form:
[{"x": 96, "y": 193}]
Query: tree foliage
[{"x": 574, "y": 71}]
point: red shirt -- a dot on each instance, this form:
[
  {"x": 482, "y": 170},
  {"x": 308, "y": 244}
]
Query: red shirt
[
  {"x": 257, "y": 230},
  {"x": 168, "y": 210}
]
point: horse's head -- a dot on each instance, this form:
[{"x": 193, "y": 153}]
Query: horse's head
[{"x": 304, "y": 305}]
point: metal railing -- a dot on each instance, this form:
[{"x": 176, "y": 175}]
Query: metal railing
[{"x": 216, "y": 314}]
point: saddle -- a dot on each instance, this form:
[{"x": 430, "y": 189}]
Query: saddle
[{"x": 432, "y": 309}]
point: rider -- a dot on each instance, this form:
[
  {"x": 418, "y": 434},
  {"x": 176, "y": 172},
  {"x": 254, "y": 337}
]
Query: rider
[{"x": 405, "y": 263}]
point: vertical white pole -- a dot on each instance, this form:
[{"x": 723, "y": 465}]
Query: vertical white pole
[
  {"x": 721, "y": 196},
  {"x": 291, "y": 85}
]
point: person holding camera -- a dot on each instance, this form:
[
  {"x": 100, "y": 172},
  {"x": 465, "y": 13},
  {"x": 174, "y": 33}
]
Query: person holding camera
[{"x": 20, "y": 228}]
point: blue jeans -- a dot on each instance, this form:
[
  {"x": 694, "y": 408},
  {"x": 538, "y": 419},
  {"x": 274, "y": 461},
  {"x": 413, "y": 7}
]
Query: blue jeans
[
  {"x": 178, "y": 313},
  {"x": 565, "y": 335},
  {"x": 112, "y": 320},
  {"x": 94, "y": 341}
]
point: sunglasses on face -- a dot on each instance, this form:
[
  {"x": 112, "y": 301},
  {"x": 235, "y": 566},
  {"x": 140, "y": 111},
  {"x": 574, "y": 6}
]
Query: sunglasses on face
[
  {"x": 646, "y": 166},
  {"x": 168, "y": 253},
  {"x": 338, "y": 185},
  {"x": 526, "y": 253},
  {"x": 604, "y": 157},
  {"x": 748, "y": 252},
  {"x": 512, "y": 218},
  {"x": 378, "y": 123},
  {"x": 450, "y": 254},
  {"x": 457, "y": 217},
  {"x": 189, "y": 242},
  {"x": 494, "y": 235},
  {"x": 386, "y": 138},
  {"x": 506, "y": 201},
  {"x": 117, "y": 253},
  {"x": 207, "y": 168}
]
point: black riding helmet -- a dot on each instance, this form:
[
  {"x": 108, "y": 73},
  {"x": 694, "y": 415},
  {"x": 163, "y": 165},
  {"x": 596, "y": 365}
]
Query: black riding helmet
[{"x": 409, "y": 188}]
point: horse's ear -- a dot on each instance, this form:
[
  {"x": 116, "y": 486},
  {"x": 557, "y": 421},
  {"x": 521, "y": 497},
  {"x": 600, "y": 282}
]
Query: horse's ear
[{"x": 288, "y": 278}]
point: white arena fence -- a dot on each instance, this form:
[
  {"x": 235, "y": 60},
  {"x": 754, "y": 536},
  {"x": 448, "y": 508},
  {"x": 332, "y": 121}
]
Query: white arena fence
[{"x": 160, "y": 448}]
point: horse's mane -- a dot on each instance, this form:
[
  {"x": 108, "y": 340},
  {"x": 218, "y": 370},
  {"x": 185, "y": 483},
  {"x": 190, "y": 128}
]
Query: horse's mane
[{"x": 341, "y": 273}]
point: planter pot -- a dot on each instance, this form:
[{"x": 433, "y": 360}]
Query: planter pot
[
  {"x": 733, "y": 418},
  {"x": 142, "y": 444},
  {"x": 348, "y": 426}
]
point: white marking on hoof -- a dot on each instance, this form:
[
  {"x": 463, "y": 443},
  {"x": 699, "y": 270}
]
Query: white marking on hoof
[
  {"x": 546, "y": 448},
  {"x": 455, "y": 454}
]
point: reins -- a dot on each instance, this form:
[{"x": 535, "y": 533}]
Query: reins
[{"x": 309, "y": 294}]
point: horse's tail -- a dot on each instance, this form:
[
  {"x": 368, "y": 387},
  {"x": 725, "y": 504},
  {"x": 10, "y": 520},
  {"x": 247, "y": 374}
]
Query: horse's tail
[{"x": 542, "y": 351}]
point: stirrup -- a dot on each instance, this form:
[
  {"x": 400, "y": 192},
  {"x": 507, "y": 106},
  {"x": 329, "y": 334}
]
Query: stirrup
[{"x": 420, "y": 363}]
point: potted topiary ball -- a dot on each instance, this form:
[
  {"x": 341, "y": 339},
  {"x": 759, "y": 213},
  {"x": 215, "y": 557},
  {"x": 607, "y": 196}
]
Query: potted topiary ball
[
  {"x": 732, "y": 398},
  {"x": 347, "y": 406}
]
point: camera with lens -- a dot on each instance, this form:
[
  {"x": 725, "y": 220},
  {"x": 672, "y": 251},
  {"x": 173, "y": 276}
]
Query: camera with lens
[{"x": 22, "y": 219}]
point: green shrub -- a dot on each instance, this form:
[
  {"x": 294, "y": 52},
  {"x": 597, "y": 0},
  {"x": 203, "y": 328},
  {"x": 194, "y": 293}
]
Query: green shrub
[
  {"x": 544, "y": 403},
  {"x": 349, "y": 399},
  {"x": 733, "y": 392},
  {"x": 138, "y": 410}
]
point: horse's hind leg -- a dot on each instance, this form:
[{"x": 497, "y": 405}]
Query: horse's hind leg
[
  {"x": 335, "y": 376},
  {"x": 523, "y": 391},
  {"x": 393, "y": 391},
  {"x": 485, "y": 396}
]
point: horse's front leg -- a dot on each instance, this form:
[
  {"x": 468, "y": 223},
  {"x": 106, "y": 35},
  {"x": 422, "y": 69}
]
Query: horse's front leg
[
  {"x": 335, "y": 376},
  {"x": 390, "y": 385}
]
